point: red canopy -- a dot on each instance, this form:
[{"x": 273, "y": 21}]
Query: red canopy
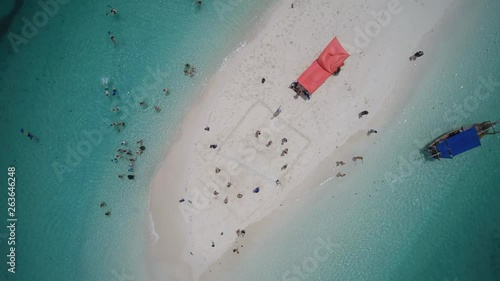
[{"x": 332, "y": 57}]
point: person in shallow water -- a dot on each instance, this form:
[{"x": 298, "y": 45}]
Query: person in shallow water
[
  {"x": 112, "y": 37},
  {"x": 113, "y": 11},
  {"x": 26, "y": 133}
]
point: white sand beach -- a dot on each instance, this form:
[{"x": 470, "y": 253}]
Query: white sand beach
[{"x": 380, "y": 36}]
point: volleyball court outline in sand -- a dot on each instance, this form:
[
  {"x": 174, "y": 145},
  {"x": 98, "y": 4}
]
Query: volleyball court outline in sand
[{"x": 247, "y": 162}]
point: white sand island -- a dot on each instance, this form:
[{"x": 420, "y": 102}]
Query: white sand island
[{"x": 380, "y": 36}]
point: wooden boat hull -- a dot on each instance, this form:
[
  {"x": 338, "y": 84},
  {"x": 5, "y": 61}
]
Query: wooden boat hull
[{"x": 481, "y": 129}]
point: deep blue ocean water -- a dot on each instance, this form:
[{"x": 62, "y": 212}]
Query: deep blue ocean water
[
  {"x": 398, "y": 216},
  {"x": 51, "y": 84}
]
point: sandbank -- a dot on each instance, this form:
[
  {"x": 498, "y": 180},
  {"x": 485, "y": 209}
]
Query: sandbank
[{"x": 380, "y": 36}]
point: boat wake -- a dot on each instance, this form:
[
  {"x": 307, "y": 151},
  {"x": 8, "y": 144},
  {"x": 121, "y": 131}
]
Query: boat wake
[{"x": 104, "y": 80}]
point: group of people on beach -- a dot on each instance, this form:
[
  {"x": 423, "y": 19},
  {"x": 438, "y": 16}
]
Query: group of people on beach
[{"x": 284, "y": 152}]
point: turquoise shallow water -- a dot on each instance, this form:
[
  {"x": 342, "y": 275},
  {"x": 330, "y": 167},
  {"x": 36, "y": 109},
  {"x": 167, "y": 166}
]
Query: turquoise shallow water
[
  {"x": 51, "y": 86},
  {"x": 399, "y": 217}
]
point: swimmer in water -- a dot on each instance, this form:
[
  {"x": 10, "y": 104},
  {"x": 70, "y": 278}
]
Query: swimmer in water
[
  {"x": 115, "y": 109},
  {"x": 113, "y": 11},
  {"x": 106, "y": 89},
  {"x": 114, "y": 91},
  {"x": 26, "y": 133},
  {"x": 112, "y": 37}
]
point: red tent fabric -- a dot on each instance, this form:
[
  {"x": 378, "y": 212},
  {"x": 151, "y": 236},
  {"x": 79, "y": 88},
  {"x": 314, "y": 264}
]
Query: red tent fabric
[{"x": 332, "y": 57}]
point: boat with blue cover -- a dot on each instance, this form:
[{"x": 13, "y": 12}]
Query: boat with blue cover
[{"x": 460, "y": 140}]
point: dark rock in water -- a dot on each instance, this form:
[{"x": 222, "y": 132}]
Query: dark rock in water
[{"x": 142, "y": 148}]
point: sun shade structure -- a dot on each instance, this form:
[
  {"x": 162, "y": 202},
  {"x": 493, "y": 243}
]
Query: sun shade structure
[
  {"x": 332, "y": 57},
  {"x": 459, "y": 143}
]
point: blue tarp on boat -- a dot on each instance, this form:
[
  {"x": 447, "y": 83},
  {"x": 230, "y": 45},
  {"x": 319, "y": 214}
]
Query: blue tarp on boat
[{"x": 459, "y": 143}]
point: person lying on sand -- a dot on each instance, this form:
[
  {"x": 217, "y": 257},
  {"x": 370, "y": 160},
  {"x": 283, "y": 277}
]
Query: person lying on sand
[
  {"x": 416, "y": 55},
  {"x": 362, "y": 113}
]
